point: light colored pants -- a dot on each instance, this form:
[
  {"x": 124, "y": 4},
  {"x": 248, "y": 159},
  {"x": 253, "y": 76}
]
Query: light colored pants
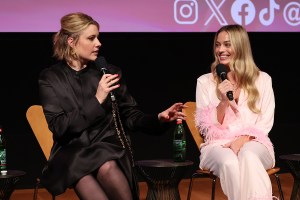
[{"x": 242, "y": 177}]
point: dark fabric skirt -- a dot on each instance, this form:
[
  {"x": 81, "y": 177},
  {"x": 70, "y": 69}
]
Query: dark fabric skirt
[{"x": 82, "y": 157}]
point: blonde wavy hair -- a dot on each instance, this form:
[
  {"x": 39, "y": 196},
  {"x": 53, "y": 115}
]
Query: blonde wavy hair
[
  {"x": 245, "y": 70},
  {"x": 71, "y": 26}
]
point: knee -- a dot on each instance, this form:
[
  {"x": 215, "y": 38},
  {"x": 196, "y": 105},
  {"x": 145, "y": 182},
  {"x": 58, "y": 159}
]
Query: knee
[
  {"x": 107, "y": 168},
  {"x": 246, "y": 155},
  {"x": 231, "y": 166}
]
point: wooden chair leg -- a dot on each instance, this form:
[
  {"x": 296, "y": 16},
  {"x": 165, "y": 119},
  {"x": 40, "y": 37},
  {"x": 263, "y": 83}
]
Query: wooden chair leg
[
  {"x": 36, "y": 189},
  {"x": 37, "y": 185},
  {"x": 213, "y": 189},
  {"x": 279, "y": 186},
  {"x": 191, "y": 185},
  {"x": 213, "y": 177}
]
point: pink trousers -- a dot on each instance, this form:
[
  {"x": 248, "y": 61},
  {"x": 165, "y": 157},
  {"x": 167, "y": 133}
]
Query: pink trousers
[{"x": 242, "y": 176}]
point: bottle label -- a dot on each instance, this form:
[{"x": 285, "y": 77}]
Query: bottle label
[
  {"x": 3, "y": 159},
  {"x": 179, "y": 150}
]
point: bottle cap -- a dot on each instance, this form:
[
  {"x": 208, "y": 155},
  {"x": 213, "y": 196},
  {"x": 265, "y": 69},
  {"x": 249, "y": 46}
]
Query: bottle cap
[
  {"x": 3, "y": 172},
  {"x": 178, "y": 121}
]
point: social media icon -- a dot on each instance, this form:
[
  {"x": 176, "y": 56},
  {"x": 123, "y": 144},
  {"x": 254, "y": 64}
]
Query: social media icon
[
  {"x": 243, "y": 12},
  {"x": 267, "y": 15},
  {"x": 291, "y": 13},
  {"x": 215, "y": 9},
  {"x": 186, "y": 11}
]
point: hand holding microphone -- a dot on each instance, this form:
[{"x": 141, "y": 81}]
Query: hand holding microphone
[
  {"x": 108, "y": 81},
  {"x": 222, "y": 73}
]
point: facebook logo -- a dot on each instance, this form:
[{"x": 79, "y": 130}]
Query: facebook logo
[{"x": 243, "y": 12}]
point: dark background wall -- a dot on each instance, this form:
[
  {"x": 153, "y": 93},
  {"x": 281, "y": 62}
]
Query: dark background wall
[{"x": 160, "y": 69}]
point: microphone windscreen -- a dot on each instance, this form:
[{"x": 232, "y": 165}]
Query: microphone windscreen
[
  {"x": 221, "y": 69},
  {"x": 101, "y": 62}
]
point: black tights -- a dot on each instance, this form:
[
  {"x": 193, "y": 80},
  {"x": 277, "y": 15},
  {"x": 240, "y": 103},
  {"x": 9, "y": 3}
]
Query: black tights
[{"x": 109, "y": 184}]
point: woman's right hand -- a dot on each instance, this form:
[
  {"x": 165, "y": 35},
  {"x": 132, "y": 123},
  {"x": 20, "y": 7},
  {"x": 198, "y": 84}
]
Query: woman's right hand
[
  {"x": 106, "y": 84},
  {"x": 224, "y": 87}
]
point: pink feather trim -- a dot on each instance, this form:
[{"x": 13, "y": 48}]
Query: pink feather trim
[{"x": 212, "y": 131}]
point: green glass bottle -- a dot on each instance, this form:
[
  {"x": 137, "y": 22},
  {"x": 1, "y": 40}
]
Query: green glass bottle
[
  {"x": 179, "y": 142},
  {"x": 2, "y": 152}
]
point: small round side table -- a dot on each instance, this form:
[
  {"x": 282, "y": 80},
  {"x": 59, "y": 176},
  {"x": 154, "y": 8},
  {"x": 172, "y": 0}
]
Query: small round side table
[
  {"x": 8, "y": 182},
  {"x": 293, "y": 161},
  {"x": 162, "y": 177}
]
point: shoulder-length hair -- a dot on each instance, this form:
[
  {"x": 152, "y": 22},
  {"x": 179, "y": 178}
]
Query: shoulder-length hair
[{"x": 71, "y": 26}]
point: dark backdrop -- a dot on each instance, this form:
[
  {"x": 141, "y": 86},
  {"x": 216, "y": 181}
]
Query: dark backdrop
[{"x": 160, "y": 69}]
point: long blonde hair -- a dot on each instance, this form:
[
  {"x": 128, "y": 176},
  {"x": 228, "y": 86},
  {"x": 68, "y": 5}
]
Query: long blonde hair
[
  {"x": 71, "y": 26},
  {"x": 245, "y": 70}
]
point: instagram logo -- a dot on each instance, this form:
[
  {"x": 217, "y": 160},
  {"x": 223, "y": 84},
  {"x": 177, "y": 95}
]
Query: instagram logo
[{"x": 186, "y": 11}]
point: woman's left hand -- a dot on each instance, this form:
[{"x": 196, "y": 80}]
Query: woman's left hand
[
  {"x": 172, "y": 113},
  {"x": 237, "y": 144}
]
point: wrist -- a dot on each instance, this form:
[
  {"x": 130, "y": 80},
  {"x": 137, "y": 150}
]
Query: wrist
[{"x": 223, "y": 104}]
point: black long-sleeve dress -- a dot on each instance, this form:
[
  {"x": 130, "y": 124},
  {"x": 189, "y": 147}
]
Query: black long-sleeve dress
[{"x": 83, "y": 129}]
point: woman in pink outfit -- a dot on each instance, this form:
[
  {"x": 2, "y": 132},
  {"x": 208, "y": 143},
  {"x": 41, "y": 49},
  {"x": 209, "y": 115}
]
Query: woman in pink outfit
[{"x": 237, "y": 147}]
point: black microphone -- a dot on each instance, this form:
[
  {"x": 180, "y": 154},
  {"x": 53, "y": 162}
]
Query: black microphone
[
  {"x": 102, "y": 65},
  {"x": 222, "y": 73}
]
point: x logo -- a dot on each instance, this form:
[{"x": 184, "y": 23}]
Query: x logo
[{"x": 216, "y": 12}]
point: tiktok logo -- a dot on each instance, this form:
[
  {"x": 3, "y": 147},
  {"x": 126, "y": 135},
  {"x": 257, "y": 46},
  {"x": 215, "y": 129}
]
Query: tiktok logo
[
  {"x": 243, "y": 12},
  {"x": 268, "y": 12}
]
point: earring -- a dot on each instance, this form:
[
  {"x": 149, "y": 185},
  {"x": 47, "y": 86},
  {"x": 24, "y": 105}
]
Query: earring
[{"x": 73, "y": 52}]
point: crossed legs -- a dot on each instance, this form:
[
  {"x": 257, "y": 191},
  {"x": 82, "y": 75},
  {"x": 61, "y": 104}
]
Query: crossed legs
[{"x": 109, "y": 184}]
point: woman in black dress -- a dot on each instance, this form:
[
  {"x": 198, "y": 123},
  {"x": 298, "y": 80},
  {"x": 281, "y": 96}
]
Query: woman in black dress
[{"x": 89, "y": 111}]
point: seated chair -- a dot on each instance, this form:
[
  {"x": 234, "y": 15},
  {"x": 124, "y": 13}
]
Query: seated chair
[
  {"x": 36, "y": 118},
  {"x": 190, "y": 121}
]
